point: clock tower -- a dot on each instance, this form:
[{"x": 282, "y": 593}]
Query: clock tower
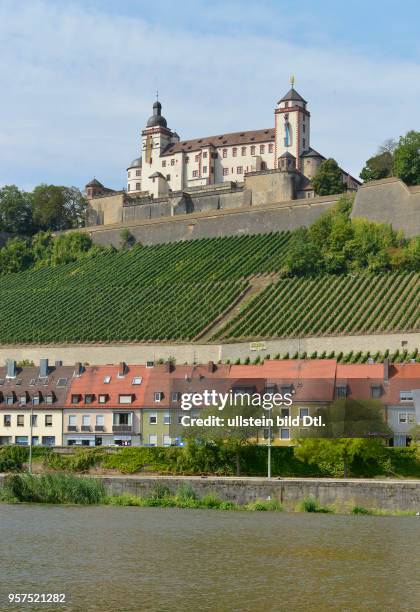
[{"x": 292, "y": 126}]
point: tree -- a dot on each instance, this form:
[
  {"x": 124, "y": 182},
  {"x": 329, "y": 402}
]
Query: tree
[
  {"x": 127, "y": 240},
  {"x": 15, "y": 210},
  {"x": 328, "y": 179},
  {"x": 15, "y": 256},
  {"x": 303, "y": 257},
  {"x": 58, "y": 208},
  {"x": 407, "y": 158},
  {"x": 228, "y": 435},
  {"x": 377, "y": 167}
]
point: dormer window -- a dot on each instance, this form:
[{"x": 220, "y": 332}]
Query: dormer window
[
  {"x": 341, "y": 391},
  {"x": 89, "y": 398},
  {"x": 49, "y": 398},
  {"x": 9, "y": 399},
  {"x": 375, "y": 391},
  {"x": 107, "y": 380},
  {"x": 137, "y": 380},
  {"x": 22, "y": 399},
  {"x": 125, "y": 398},
  {"x": 406, "y": 396},
  {"x": 103, "y": 398},
  {"x": 158, "y": 396},
  {"x": 75, "y": 398},
  {"x": 36, "y": 399},
  {"x": 150, "y": 364}
]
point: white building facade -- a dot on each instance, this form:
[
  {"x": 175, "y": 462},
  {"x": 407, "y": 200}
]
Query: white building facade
[{"x": 167, "y": 164}]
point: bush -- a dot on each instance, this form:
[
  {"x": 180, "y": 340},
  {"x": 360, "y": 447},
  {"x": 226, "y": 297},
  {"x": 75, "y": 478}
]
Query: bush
[
  {"x": 12, "y": 458},
  {"x": 312, "y": 505},
  {"x": 265, "y": 505},
  {"x": 360, "y": 510}
]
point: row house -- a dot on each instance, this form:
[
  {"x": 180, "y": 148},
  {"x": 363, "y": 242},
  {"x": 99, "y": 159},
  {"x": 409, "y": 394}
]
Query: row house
[
  {"x": 141, "y": 405},
  {"x": 32, "y": 401}
]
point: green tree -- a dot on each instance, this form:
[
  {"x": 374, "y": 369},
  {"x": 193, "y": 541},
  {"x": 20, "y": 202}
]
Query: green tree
[
  {"x": 58, "y": 208},
  {"x": 328, "y": 179},
  {"x": 70, "y": 247},
  {"x": 303, "y": 257},
  {"x": 407, "y": 158},
  {"x": 377, "y": 167},
  {"x": 127, "y": 240},
  {"x": 15, "y": 256},
  {"x": 15, "y": 210}
]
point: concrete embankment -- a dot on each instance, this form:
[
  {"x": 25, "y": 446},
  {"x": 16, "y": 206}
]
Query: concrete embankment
[{"x": 390, "y": 495}]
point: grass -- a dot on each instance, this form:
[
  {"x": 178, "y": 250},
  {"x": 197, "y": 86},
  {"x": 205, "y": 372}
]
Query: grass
[
  {"x": 57, "y": 488},
  {"x": 309, "y": 504}
]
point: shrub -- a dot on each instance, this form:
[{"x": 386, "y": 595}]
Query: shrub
[
  {"x": 360, "y": 510},
  {"x": 312, "y": 505},
  {"x": 54, "y": 489},
  {"x": 264, "y": 505},
  {"x": 12, "y": 458}
]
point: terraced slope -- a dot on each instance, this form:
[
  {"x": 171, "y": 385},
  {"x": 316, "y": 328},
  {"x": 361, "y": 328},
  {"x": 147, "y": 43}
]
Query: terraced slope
[
  {"x": 172, "y": 292},
  {"x": 163, "y": 292},
  {"x": 330, "y": 306}
]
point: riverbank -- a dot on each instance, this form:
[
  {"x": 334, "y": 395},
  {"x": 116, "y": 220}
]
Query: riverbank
[{"x": 310, "y": 495}]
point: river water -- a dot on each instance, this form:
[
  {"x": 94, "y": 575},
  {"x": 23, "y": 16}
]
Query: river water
[{"x": 153, "y": 559}]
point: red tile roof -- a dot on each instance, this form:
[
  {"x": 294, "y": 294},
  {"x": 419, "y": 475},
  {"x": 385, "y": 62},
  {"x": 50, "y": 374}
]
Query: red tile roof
[{"x": 222, "y": 140}]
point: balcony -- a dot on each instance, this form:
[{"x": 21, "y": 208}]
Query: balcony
[
  {"x": 122, "y": 429},
  {"x": 99, "y": 428},
  {"x": 71, "y": 427},
  {"x": 86, "y": 428}
]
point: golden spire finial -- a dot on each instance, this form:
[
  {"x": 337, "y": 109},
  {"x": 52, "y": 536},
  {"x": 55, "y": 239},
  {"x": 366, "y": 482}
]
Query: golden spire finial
[{"x": 292, "y": 80}]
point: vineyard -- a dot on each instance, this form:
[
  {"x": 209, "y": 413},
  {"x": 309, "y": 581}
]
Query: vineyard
[
  {"x": 330, "y": 306},
  {"x": 164, "y": 292},
  {"x": 171, "y": 292}
]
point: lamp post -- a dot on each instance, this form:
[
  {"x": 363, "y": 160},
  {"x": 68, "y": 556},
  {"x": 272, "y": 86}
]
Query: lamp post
[{"x": 269, "y": 445}]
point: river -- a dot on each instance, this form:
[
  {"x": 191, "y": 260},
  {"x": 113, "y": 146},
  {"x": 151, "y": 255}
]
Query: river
[{"x": 157, "y": 559}]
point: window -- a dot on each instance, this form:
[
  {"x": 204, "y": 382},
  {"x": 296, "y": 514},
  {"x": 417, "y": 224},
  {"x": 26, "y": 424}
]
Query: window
[
  {"x": 158, "y": 396},
  {"x": 341, "y": 391},
  {"x": 153, "y": 418},
  {"x": 129, "y": 187},
  {"x": 22, "y": 440},
  {"x": 150, "y": 364},
  {"x": 9, "y": 400},
  {"x": 48, "y": 420},
  {"x": 22, "y": 400},
  {"x": 20, "y": 420},
  {"x": 152, "y": 440},
  {"x": 129, "y": 174},
  {"x": 175, "y": 396},
  {"x": 406, "y": 396},
  {"x": 100, "y": 420},
  {"x": 137, "y": 186},
  {"x": 49, "y": 398},
  {"x": 204, "y": 169},
  {"x": 86, "y": 420},
  {"x": 195, "y": 173},
  {"x": 262, "y": 149},
  {"x": 136, "y": 380},
  {"x": 187, "y": 159},
  {"x": 375, "y": 391},
  {"x": 61, "y": 382},
  {"x": 402, "y": 417},
  {"x": 239, "y": 170},
  {"x": 172, "y": 162},
  {"x": 7, "y": 420},
  {"x": 75, "y": 399},
  {"x": 34, "y": 420},
  {"x": 167, "y": 440},
  {"x": 168, "y": 177},
  {"x": 286, "y": 389},
  {"x": 286, "y": 105},
  {"x": 303, "y": 412},
  {"x": 102, "y": 398},
  {"x": 263, "y": 166},
  {"x": 224, "y": 153},
  {"x": 253, "y": 150},
  {"x": 48, "y": 440},
  {"x": 270, "y": 147},
  {"x": 72, "y": 419},
  {"x": 243, "y": 151},
  {"x": 234, "y": 151},
  {"x": 303, "y": 128},
  {"x": 197, "y": 158},
  {"x": 204, "y": 154},
  {"x": 167, "y": 419},
  {"x": 137, "y": 172},
  {"x": 125, "y": 398},
  {"x": 107, "y": 380},
  {"x": 225, "y": 171},
  {"x": 304, "y": 143},
  {"x": 164, "y": 163},
  {"x": 284, "y": 434},
  {"x": 285, "y": 412},
  {"x": 180, "y": 417},
  {"x": 88, "y": 398}
]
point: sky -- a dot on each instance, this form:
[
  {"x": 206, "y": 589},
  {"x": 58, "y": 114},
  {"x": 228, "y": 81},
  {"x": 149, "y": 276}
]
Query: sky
[{"x": 78, "y": 77}]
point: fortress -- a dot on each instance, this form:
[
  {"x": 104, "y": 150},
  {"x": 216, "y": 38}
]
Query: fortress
[{"x": 239, "y": 183}]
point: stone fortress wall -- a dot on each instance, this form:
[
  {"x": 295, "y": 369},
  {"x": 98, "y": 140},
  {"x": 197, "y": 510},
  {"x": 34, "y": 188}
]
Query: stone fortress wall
[{"x": 265, "y": 202}]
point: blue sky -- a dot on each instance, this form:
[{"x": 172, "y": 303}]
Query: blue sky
[{"x": 78, "y": 78}]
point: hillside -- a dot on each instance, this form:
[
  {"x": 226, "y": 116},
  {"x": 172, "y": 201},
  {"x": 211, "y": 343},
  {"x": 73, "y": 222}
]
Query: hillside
[{"x": 172, "y": 292}]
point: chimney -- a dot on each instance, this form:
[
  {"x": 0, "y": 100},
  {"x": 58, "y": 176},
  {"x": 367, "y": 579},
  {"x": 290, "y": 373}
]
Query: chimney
[
  {"x": 169, "y": 366},
  {"x": 386, "y": 370},
  {"x": 78, "y": 369},
  {"x": 11, "y": 368},
  {"x": 43, "y": 368},
  {"x": 58, "y": 363},
  {"x": 122, "y": 369},
  {"x": 210, "y": 367}
]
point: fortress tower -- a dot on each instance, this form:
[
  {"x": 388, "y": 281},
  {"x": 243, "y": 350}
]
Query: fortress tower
[{"x": 292, "y": 126}]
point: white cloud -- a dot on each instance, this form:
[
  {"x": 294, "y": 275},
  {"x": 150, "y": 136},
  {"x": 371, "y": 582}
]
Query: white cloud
[{"x": 78, "y": 84}]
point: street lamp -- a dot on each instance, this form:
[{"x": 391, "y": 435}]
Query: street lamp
[{"x": 30, "y": 439}]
